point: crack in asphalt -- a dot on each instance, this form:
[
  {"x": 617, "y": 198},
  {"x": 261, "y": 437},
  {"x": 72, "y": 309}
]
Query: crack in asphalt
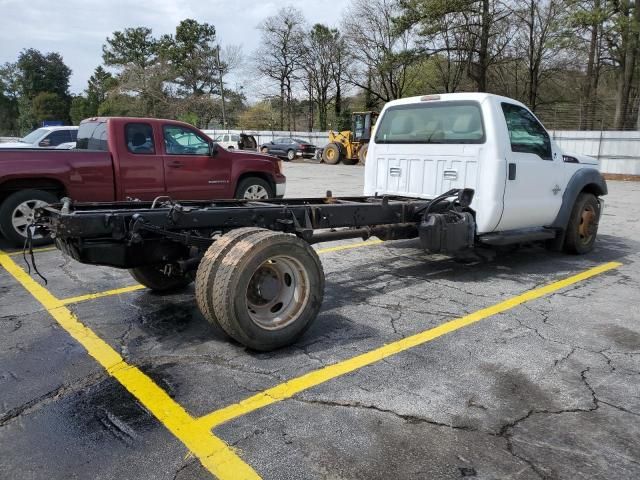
[{"x": 57, "y": 393}]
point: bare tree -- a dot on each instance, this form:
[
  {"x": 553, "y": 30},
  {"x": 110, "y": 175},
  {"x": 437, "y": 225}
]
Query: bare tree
[
  {"x": 282, "y": 48},
  {"x": 384, "y": 53}
]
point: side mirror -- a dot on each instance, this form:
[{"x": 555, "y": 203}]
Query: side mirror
[{"x": 213, "y": 149}]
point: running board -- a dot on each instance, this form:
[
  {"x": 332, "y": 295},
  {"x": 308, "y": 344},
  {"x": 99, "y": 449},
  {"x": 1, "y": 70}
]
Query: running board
[{"x": 517, "y": 236}]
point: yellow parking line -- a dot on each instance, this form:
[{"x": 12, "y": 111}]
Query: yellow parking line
[
  {"x": 316, "y": 377},
  {"x": 216, "y": 456},
  {"x": 349, "y": 246},
  {"x": 35, "y": 250},
  {"x": 107, "y": 293}
]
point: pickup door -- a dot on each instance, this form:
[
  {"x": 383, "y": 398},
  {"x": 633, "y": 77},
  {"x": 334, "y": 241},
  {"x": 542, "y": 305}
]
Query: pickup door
[{"x": 191, "y": 172}]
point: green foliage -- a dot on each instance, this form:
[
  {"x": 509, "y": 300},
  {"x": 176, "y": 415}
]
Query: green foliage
[
  {"x": 42, "y": 73},
  {"x": 100, "y": 83},
  {"x": 119, "y": 105},
  {"x": 80, "y": 109},
  {"x": 49, "y": 106},
  {"x": 133, "y": 46},
  {"x": 257, "y": 117}
]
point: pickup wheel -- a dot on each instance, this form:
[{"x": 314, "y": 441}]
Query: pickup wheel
[
  {"x": 16, "y": 213},
  {"x": 583, "y": 224},
  {"x": 153, "y": 277},
  {"x": 268, "y": 290},
  {"x": 254, "y": 188},
  {"x": 208, "y": 268}
]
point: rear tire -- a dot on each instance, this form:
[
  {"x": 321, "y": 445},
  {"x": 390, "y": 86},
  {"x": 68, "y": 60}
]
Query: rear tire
[
  {"x": 254, "y": 188},
  {"x": 582, "y": 228},
  {"x": 208, "y": 268},
  {"x": 362, "y": 154},
  {"x": 332, "y": 154},
  {"x": 268, "y": 290},
  {"x": 153, "y": 277},
  {"x": 16, "y": 212}
]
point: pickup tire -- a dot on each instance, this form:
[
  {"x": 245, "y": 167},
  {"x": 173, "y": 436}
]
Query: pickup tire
[
  {"x": 583, "y": 224},
  {"x": 17, "y": 211},
  {"x": 254, "y": 188},
  {"x": 208, "y": 268},
  {"x": 153, "y": 277},
  {"x": 268, "y": 290}
]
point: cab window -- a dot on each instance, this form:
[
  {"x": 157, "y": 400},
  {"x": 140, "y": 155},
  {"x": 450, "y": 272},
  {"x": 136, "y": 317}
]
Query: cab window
[
  {"x": 55, "y": 138},
  {"x": 139, "y": 138},
  {"x": 526, "y": 134},
  {"x": 180, "y": 140}
]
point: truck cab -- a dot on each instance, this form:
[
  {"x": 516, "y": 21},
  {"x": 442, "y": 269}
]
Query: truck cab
[{"x": 523, "y": 181}]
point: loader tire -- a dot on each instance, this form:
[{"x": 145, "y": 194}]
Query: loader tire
[
  {"x": 208, "y": 268},
  {"x": 153, "y": 277},
  {"x": 582, "y": 228},
  {"x": 268, "y": 290},
  {"x": 362, "y": 154},
  {"x": 332, "y": 154}
]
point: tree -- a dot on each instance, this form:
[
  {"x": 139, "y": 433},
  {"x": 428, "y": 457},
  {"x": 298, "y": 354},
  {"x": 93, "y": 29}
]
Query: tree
[
  {"x": 42, "y": 73},
  {"x": 384, "y": 53},
  {"x": 282, "y": 48},
  {"x": 256, "y": 117},
  {"x": 80, "y": 109},
  {"x": 9, "y": 92},
  {"x": 49, "y": 106},
  {"x": 99, "y": 85}
]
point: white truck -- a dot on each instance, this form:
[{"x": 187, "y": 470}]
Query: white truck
[{"x": 457, "y": 171}]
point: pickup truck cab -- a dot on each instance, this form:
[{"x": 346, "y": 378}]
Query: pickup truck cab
[
  {"x": 120, "y": 158},
  {"x": 526, "y": 187}
]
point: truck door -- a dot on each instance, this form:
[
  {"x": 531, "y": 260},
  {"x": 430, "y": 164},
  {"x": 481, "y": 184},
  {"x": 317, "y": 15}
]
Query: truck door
[
  {"x": 139, "y": 170},
  {"x": 535, "y": 174},
  {"x": 191, "y": 173}
]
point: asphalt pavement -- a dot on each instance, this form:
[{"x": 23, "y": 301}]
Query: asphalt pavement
[{"x": 521, "y": 364}]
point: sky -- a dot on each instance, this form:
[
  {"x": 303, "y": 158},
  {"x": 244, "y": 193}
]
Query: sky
[{"x": 77, "y": 29}]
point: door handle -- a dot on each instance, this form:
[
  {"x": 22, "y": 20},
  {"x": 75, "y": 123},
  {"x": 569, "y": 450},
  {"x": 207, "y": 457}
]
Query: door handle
[
  {"x": 175, "y": 164},
  {"x": 450, "y": 174},
  {"x": 512, "y": 171}
]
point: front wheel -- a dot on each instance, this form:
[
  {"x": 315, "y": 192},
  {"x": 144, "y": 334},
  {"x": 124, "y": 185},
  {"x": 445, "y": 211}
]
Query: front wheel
[
  {"x": 16, "y": 214},
  {"x": 291, "y": 155},
  {"x": 254, "y": 188},
  {"x": 583, "y": 224},
  {"x": 155, "y": 278},
  {"x": 331, "y": 154}
]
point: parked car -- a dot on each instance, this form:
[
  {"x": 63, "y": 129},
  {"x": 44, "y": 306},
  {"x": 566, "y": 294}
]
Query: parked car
[
  {"x": 236, "y": 141},
  {"x": 289, "y": 148},
  {"x": 45, "y": 137},
  {"x": 121, "y": 158}
]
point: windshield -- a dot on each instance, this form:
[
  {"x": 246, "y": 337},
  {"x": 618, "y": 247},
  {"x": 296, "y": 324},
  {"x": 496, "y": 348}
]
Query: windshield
[
  {"x": 439, "y": 122},
  {"x": 33, "y": 136}
]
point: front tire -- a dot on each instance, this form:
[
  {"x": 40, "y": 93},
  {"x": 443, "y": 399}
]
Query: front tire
[
  {"x": 331, "y": 154},
  {"x": 291, "y": 155},
  {"x": 582, "y": 228},
  {"x": 254, "y": 188},
  {"x": 16, "y": 214},
  {"x": 153, "y": 277},
  {"x": 268, "y": 290}
]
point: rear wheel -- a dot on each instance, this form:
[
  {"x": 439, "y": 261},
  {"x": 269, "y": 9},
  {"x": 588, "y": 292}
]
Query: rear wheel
[
  {"x": 362, "y": 154},
  {"x": 254, "y": 188},
  {"x": 16, "y": 214},
  {"x": 208, "y": 268},
  {"x": 155, "y": 278},
  {"x": 268, "y": 290},
  {"x": 331, "y": 154},
  {"x": 583, "y": 224}
]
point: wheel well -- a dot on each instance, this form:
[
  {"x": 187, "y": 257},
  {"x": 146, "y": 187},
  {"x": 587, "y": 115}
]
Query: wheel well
[
  {"x": 47, "y": 184},
  {"x": 267, "y": 178},
  {"x": 593, "y": 188}
]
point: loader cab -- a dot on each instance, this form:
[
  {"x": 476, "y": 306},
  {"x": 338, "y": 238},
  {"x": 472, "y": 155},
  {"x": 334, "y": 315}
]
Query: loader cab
[{"x": 362, "y": 124}]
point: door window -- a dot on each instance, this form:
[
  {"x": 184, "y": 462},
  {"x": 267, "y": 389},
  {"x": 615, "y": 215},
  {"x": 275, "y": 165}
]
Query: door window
[
  {"x": 139, "y": 138},
  {"x": 57, "y": 137},
  {"x": 526, "y": 134},
  {"x": 184, "y": 141}
]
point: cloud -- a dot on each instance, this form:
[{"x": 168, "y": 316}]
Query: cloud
[{"x": 77, "y": 29}]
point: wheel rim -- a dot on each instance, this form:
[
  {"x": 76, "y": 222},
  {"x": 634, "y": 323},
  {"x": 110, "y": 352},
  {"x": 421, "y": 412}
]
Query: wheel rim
[
  {"x": 256, "y": 192},
  {"x": 291, "y": 155},
  {"x": 278, "y": 293},
  {"x": 331, "y": 154},
  {"x": 22, "y": 216},
  {"x": 586, "y": 229}
]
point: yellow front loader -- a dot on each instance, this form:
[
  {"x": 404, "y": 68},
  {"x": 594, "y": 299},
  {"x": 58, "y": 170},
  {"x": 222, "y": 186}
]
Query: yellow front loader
[{"x": 350, "y": 146}]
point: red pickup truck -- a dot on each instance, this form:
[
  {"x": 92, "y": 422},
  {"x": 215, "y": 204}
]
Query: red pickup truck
[{"x": 120, "y": 158}]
